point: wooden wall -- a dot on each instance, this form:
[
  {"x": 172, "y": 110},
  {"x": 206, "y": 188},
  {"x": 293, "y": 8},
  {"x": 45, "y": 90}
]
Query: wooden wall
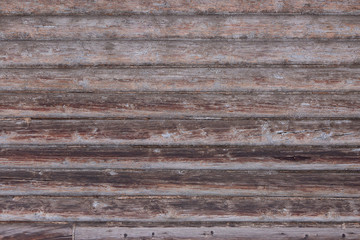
[{"x": 179, "y": 119}]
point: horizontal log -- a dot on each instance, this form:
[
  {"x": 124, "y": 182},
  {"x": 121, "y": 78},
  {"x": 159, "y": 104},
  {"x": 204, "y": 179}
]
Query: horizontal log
[
  {"x": 196, "y": 52},
  {"x": 232, "y": 131},
  {"x": 228, "y": 233},
  {"x": 270, "y": 157},
  {"x": 110, "y": 182},
  {"x": 109, "y": 7},
  {"x": 35, "y": 231},
  {"x": 176, "y": 209},
  {"x": 213, "y": 224},
  {"x": 179, "y": 27},
  {"x": 97, "y": 231},
  {"x": 181, "y": 79},
  {"x": 182, "y": 104}
]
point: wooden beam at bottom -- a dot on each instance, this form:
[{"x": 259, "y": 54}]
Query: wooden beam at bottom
[
  {"x": 36, "y": 231},
  {"x": 228, "y": 233}
]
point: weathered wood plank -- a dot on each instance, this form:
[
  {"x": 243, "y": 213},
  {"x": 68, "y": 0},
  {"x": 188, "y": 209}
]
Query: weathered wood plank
[
  {"x": 115, "y": 182},
  {"x": 180, "y": 104},
  {"x": 173, "y": 208},
  {"x": 196, "y": 52},
  {"x": 36, "y": 231},
  {"x": 231, "y": 131},
  {"x": 179, "y": 27},
  {"x": 109, "y": 7},
  {"x": 233, "y": 233},
  {"x": 269, "y": 157},
  {"x": 181, "y": 79},
  {"x": 222, "y": 223}
]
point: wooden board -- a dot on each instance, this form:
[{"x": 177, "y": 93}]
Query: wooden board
[
  {"x": 233, "y": 233},
  {"x": 180, "y": 182},
  {"x": 38, "y": 54},
  {"x": 176, "y": 208},
  {"x": 177, "y": 119},
  {"x": 226, "y": 132},
  {"x": 180, "y": 27},
  {"x": 181, "y": 79},
  {"x": 180, "y": 104},
  {"x": 36, "y": 231},
  {"x": 226, "y": 157},
  {"x": 109, "y": 7}
]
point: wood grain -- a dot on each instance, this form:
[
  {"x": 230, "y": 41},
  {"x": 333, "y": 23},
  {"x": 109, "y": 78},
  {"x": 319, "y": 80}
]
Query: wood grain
[
  {"x": 233, "y": 233},
  {"x": 180, "y": 27},
  {"x": 109, "y": 7},
  {"x": 181, "y": 79},
  {"x": 180, "y": 104},
  {"x": 177, "y": 119},
  {"x": 235, "y": 157},
  {"x": 178, "y": 53},
  {"x": 35, "y": 231},
  {"x": 236, "y": 131},
  {"x": 175, "y": 209},
  {"x": 119, "y": 182}
]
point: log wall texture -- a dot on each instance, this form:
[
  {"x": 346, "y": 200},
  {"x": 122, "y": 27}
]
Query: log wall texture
[{"x": 178, "y": 119}]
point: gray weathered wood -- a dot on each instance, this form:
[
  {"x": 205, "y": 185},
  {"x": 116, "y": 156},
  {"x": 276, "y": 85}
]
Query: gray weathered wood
[
  {"x": 196, "y": 52},
  {"x": 181, "y": 79},
  {"x": 180, "y": 104},
  {"x": 233, "y": 233},
  {"x": 110, "y": 7},
  {"x": 35, "y": 231},
  {"x": 176, "y": 209},
  {"x": 180, "y": 27},
  {"x": 177, "y": 119},
  {"x": 228, "y": 132},
  {"x": 174, "y": 182}
]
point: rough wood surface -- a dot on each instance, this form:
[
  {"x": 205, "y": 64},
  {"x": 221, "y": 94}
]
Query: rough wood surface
[
  {"x": 87, "y": 182},
  {"x": 35, "y": 231},
  {"x": 180, "y": 104},
  {"x": 169, "y": 131},
  {"x": 42, "y": 231},
  {"x": 174, "y": 208},
  {"x": 110, "y": 7},
  {"x": 181, "y": 79},
  {"x": 180, "y": 27},
  {"x": 177, "y": 119},
  {"x": 178, "y": 52},
  {"x": 233, "y": 233},
  {"x": 241, "y": 157}
]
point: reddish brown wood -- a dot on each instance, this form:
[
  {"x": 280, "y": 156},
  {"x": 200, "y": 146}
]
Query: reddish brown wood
[
  {"x": 176, "y": 119},
  {"x": 256, "y": 157},
  {"x": 181, "y": 104},
  {"x": 110, "y": 7},
  {"x": 86, "y": 182},
  {"x": 183, "y": 53},
  {"x": 180, "y": 27},
  {"x": 181, "y": 79},
  {"x": 231, "y": 131}
]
